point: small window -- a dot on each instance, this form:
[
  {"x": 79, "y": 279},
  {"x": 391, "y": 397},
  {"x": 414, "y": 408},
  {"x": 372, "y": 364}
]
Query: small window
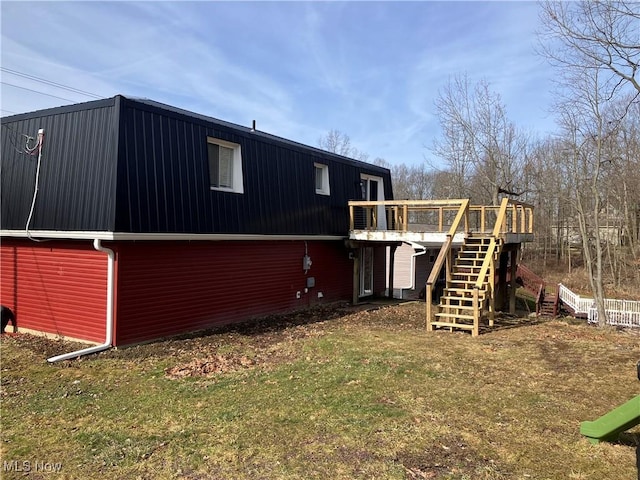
[
  {"x": 225, "y": 165},
  {"x": 322, "y": 179}
]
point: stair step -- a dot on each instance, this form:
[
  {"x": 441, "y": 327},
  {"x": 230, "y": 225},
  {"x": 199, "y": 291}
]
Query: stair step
[
  {"x": 466, "y": 276},
  {"x": 448, "y": 299},
  {"x": 445, "y": 296},
  {"x": 469, "y": 261},
  {"x": 462, "y": 290},
  {"x": 476, "y": 240},
  {"x": 471, "y": 256},
  {"x": 460, "y": 309},
  {"x": 458, "y": 281},
  {"x": 467, "y": 268},
  {"x": 453, "y": 315},
  {"x": 462, "y": 326}
]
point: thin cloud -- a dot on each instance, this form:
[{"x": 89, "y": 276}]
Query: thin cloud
[{"x": 370, "y": 70}]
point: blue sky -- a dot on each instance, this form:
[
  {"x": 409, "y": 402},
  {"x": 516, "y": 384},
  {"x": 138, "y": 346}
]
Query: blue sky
[{"x": 371, "y": 70}]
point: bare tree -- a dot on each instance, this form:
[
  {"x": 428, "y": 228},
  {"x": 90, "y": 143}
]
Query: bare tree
[
  {"x": 596, "y": 46},
  {"x": 479, "y": 143},
  {"x": 595, "y": 34},
  {"x": 337, "y": 142},
  {"x": 413, "y": 182}
]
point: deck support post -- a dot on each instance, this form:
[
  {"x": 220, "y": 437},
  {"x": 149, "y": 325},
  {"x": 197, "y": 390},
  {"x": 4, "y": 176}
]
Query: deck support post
[
  {"x": 476, "y": 313},
  {"x": 356, "y": 277},
  {"x": 427, "y": 297},
  {"x": 513, "y": 270},
  {"x": 392, "y": 259}
]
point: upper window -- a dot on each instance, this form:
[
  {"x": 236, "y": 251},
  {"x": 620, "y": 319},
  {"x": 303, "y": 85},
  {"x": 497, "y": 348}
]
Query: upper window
[
  {"x": 225, "y": 165},
  {"x": 322, "y": 179}
]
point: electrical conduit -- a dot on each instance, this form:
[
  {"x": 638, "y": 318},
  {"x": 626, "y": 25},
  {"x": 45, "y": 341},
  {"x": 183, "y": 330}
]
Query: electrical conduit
[{"x": 109, "y": 316}]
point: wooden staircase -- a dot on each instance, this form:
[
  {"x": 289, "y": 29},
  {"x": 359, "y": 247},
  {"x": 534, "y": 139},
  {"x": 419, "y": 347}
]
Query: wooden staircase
[
  {"x": 469, "y": 290},
  {"x": 547, "y": 305},
  {"x": 470, "y": 278}
]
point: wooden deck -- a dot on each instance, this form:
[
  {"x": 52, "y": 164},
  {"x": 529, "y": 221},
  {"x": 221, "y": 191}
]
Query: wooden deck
[{"x": 482, "y": 233}]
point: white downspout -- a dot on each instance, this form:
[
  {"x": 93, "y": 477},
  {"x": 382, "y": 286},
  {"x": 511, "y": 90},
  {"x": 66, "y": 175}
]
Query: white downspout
[
  {"x": 109, "y": 317},
  {"x": 413, "y": 266}
]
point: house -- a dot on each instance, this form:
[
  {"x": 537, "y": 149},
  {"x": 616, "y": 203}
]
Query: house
[{"x": 125, "y": 220}]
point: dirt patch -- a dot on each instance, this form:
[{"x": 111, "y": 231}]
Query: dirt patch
[
  {"x": 209, "y": 366},
  {"x": 450, "y": 456},
  {"x": 272, "y": 340},
  {"x": 40, "y": 346}
]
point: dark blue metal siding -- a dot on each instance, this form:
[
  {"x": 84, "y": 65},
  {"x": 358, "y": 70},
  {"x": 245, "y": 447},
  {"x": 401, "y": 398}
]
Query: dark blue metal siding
[
  {"x": 164, "y": 181},
  {"x": 77, "y": 173},
  {"x": 137, "y": 166}
]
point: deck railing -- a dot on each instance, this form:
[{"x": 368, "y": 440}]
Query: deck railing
[
  {"x": 437, "y": 216},
  {"x": 624, "y": 313}
]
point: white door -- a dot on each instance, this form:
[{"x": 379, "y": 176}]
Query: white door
[{"x": 373, "y": 190}]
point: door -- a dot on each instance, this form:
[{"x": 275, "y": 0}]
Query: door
[
  {"x": 373, "y": 190},
  {"x": 366, "y": 271}
]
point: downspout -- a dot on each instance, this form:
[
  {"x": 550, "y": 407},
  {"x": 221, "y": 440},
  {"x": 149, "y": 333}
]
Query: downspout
[
  {"x": 412, "y": 264},
  {"x": 109, "y": 316}
]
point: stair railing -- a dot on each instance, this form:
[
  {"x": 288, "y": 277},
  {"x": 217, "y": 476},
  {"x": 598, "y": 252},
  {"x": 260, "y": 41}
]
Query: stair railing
[
  {"x": 445, "y": 255},
  {"x": 488, "y": 266}
]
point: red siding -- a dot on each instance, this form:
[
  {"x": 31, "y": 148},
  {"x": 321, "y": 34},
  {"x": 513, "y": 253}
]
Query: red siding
[
  {"x": 55, "y": 287},
  {"x": 166, "y": 288}
]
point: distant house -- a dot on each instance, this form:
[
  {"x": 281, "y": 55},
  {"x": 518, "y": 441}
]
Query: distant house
[{"x": 150, "y": 221}]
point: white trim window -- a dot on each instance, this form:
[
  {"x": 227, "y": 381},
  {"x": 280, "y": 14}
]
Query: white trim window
[
  {"x": 225, "y": 165},
  {"x": 322, "y": 179}
]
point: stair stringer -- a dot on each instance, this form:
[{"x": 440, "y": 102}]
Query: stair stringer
[{"x": 467, "y": 299}]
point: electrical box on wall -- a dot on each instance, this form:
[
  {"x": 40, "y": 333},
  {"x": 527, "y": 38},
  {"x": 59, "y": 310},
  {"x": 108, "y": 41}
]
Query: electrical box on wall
[
  {"x": 306, "y": 263},
  {"x": 311, "y": 282}
]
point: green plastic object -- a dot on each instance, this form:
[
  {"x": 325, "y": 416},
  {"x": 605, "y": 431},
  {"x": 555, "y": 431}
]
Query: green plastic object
[{"x": 610, "y": 425}]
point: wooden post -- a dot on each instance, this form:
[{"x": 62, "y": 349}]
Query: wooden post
[
  {"x": 512, "y": 290},
  {"x": 491, "y": 289},
  {"x": 356, "y": 277},
  {"x": 448, "y": 267},
  {"x": 427, "y": 296},
  {"x": 476, "y": 313},
  {"x": 501, "y": 287},
  {"x": 392, "y": 258},
  {"x": 351, "y": 219},
  {"x": 405, "y": 217}
]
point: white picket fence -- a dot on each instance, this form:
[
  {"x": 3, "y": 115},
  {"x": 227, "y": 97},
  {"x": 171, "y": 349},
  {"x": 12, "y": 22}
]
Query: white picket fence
[{"x": 625, "y": 313}]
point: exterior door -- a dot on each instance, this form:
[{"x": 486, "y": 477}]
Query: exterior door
[
  {"x": 373, "y": 190},
  {"x": 366, "y": 271}
]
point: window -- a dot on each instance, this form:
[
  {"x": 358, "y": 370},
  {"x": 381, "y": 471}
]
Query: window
[
  {"x": 322, "y": 179},
  {"x": 225, "y": 165}
]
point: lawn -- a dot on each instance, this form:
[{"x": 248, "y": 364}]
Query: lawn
[{"x": 336, "y": 393}]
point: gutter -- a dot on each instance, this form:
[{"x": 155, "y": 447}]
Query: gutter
[{"x": 109, "y": 316}]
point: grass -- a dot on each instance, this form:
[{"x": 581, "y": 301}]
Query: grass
[{"x": 335, "y": 394}]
